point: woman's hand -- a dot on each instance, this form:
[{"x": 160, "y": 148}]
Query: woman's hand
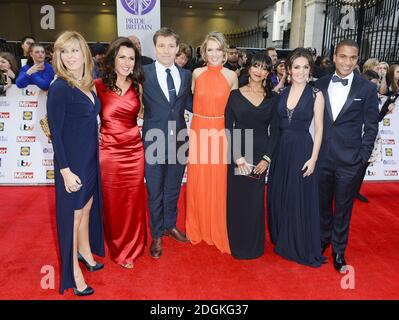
[
  {"x": 71, "y": 181},
  {"x": 308, "y": 167},
  {"x": 35, "y": 68},
  {"x": 10, "y": 74},
  {"x": 242, "y": 165},
  {"x": 140, "y": 115},
  {"x": 261, "y": 167},
  {"x": 391, "y": 108}
]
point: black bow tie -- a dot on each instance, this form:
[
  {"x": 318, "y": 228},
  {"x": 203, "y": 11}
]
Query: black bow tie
[{"x": 335, "y": 78}]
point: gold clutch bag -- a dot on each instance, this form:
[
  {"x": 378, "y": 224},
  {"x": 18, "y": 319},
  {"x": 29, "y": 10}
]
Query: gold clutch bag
[{"x": 45, "y": 127}]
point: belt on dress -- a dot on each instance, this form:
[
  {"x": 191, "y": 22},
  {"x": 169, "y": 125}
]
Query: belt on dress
[{"x": 207, "y": 117}]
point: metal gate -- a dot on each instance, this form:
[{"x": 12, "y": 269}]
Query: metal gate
[{"x": 373, "y": 24}]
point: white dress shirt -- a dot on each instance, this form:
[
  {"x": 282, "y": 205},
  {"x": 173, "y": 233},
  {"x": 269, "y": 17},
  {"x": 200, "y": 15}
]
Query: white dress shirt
[
  {"x": 162, "y": 78},
  {"x": 338, "y": 93}
]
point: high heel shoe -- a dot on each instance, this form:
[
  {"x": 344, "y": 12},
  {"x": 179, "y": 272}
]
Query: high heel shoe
[
  {"x": 86, "y": 292},
  {"x": 89, "y": 267}
]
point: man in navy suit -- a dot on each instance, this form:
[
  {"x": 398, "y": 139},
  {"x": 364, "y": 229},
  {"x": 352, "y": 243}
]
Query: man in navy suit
[
  {"x": 166, "y": 94},
  {"x": 350, "y": 129}
]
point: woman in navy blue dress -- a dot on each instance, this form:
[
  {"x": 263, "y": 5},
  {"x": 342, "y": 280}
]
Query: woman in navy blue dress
[
  {"x": 72, "y": 109},
  {"x": 293, "y": 208}
]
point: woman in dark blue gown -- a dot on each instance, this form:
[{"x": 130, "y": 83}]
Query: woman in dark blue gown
[
  {"x": 293, "y": 208},
  {"x": 72, "y": 109}
]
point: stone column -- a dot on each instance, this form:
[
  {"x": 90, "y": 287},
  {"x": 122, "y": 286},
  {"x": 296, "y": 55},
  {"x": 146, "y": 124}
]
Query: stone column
[
  {"x": 298, "y": 20},
  {"x": 314, "y": 26}
]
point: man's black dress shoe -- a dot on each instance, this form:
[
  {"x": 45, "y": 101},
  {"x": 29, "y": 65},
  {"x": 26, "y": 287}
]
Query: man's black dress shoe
[
  {"x": 176, "y": 234},
  {"x": 361, "y": 198},
  {"x": 156, "y": 248},
  {"x": 89, "y": 267},
  {"x": 324, "y": 247},
  {"x": 86, "y": 292},
  {"x": 339, "y": 262}
]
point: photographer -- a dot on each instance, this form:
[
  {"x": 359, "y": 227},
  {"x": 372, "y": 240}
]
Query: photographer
[{"x": 5, "y": 83}]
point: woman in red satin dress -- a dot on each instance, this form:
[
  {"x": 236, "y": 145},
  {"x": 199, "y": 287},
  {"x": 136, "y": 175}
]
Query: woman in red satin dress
[{"x": 122, "y": 153}]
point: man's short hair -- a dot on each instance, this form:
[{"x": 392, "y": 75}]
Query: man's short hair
[
  {"x": 27, "y": 37},
  {"x": 270, "y": 49},
  {"x": 346, "y": 42},
  {"x": 370, "y": 75},
  {"x": 312, "y": 51},
  {"x": 166, "y": 32}
]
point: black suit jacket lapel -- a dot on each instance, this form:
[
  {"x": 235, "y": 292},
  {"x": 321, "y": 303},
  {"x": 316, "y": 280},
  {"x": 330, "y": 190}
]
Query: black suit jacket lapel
[
  {"x": 182, "y": 82},
  {"x": 351, "y": 96},
  {"x": 324, "y": 87}
]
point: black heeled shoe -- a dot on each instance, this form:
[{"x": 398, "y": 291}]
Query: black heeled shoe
[
  {"x": 97, "y": 266},
  {"x": 86, "y": 292}
]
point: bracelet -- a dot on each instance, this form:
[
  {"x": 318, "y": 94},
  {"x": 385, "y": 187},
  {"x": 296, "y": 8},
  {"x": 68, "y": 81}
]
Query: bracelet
[{"x": 266, "y": 158}]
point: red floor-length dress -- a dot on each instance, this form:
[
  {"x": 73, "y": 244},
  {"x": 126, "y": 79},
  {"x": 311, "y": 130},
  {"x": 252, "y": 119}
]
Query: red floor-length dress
[{"x": 122, "y": 172}]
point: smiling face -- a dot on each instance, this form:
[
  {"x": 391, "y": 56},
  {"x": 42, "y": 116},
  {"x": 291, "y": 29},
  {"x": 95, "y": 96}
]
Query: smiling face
[
  {"x": 166, "y": 49},
  {"x": 72, "y": 58},
  {"x": 214, "y": 53},
  {"x": 38, "y": 54},
  {"x": 258, "y": 73},
  {"x": 124, "y": 61},
  {"x": 345, "y": 60},
  {"x": 300, "y": 70},
  {"x": 4, "y": 64}
]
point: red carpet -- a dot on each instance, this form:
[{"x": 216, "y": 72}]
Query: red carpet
[{"x": 27, "y": 229}]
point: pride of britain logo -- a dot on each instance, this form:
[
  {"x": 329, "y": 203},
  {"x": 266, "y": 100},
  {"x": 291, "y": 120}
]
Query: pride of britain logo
[{"x": 138, "y": 7}]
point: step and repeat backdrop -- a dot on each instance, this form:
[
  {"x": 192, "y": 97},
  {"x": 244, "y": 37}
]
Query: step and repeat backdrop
[{"x": 26, "y": 154}]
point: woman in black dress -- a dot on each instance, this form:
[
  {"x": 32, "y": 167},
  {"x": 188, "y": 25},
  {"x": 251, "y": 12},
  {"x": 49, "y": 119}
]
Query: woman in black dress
[
  {"x": 252, "y": 108},
  {"x": 72, "y": 109}
]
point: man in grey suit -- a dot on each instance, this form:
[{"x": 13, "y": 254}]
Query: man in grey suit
[{"x": 166, "y": 94}]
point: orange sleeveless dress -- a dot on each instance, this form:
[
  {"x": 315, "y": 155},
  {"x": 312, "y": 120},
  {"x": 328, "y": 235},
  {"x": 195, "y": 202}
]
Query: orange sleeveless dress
[{"x": 207, "y": 168}]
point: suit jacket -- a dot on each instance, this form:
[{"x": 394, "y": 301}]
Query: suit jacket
[
  {"x": 343, "y": 142},
  {"x": 158, "y": 111}
]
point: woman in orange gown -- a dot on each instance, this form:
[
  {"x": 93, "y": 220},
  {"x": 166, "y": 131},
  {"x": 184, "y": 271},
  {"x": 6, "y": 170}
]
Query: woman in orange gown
[
  {"x": 207, "y": 164},
  {"x": 122, "y": 153}
]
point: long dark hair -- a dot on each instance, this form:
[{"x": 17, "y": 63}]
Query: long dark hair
[
  {"x": 261, "y": 59},
  {"x": 108, "y": 65}
]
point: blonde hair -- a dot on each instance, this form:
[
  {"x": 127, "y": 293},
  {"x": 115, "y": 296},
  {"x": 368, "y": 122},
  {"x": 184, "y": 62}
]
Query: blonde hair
[
  {"x": 370, "y": 64},
  {"x": 220, "y": 39},
  {"x": 383, "y": 63},
  {"x": 59, "y": 68}
]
